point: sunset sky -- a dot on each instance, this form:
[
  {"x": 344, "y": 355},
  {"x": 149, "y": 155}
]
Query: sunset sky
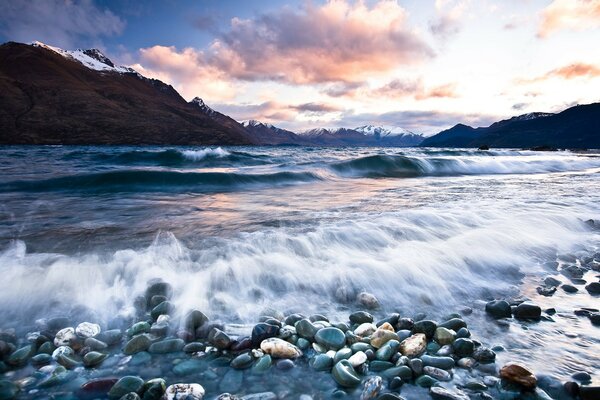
[{"x": 424, "y": 65}]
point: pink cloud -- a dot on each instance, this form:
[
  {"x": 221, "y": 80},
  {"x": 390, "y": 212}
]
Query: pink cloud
[{"x": 569, "y": 14}]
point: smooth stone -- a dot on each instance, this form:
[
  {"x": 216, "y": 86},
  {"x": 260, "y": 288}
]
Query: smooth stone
[
  {"x": 463, "y": 333},
  {"x": 405, "y": 323},
  {"x": 414, "y": 345},
  {"x": 463, "y": 347},
  {"x": 8, "y": 390},
  {"x": 184, "y": 391},
  {"x": 344, "y": 374},
  {"x": 434, "y": 348},
  {"x": 527, "y": 311},
  {"x": 453, "y": 324},
  {"x": 403, "y": 334},
  {"x": 140, "y": 358},
  {"x": 321, "y": 362},
  {"x": 166, "y": 307},
  {"x": 358, "y": 359},
  {"x": 582, "y": 376},
  {"x": 219, "y": 339},
  {"x": 279, "y": 348},
  {"x": 166, "y": 346},
  {"x": 93, "y": 358},
  {"x": 425, "y": 326},
  {"x": 67, "y": 362},
  {"x": 138, "y": 328},
  {"x": 361, "y": 317},
  {"x": 41, "y": 359},
  {"x": 416, "y": 364},
  {"x": 62, "y": 350},
  {"x": 342, "y": 354},
  {"x": 303, "y": 344},
  {"x": 589, "y": 392},
  {"x": 367, "y": 300},
  {"x": 425, "y": 381},
  {"x": 551, "y": 281},
  {"x": 332, "y": 338},
  {"x": 137, "y": 343},
  {"x": 189, "y": 367},
  {"x": 360, "y": 346},
  {"x": 232, "y": 381},
  {"x": 263, "y": 331},
  {"x": 242, "y": 361},
  {"x": 87, "y": 330},
  {"x": 65, "y": 337},
  {"x": 593, "y": 288},
  {"x": 365, "y": 329},
  {"x": 21, "y": 356},
  {"x": 262, "y": 365},
  {"x": 285, "y": 365},
  {"x": 195, "y": 319},
  {"x": 371, "y": 388},
  {"x": 484, "y": 355},
  {"x": 518, "y": 374},
  {"x": 437, "y": 373},
  {"x": 385, "y": 352},
  {"x": 498, "y": 309},
  {"x": 569, "y": 288},
  {"x": 111, "y": 337},
  {"x": 306, "y": 329},
  {"x": 381, "y": 336},
  {"x": 466, "y": 362},
  {"x": 396, "y": 383},
  {"x": 126, "y": 384},
  {"x": 46, "y": 348},
  {"x": 444, "y": 336},
  {"x": 95, "y": 344},
  {"x": 154, "y": 389},
  {"x": 438, "y": 362},
  {"x": 378, "y": 366},
  {"x": 440, "y": 393},
  {"x": 476, "y": 386},
  {"x": 158, "y": 288}
]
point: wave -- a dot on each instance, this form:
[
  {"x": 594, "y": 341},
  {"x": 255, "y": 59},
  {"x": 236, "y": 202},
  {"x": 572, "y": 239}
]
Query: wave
[
  {"x": 433, "y": 257},
  {"x": 157, "y": 180},
  {"x": 401, "y": 166},
  {"x": 214, "y": 157}
]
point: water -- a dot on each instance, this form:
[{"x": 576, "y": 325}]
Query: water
[{"x": 234, "y": 230}]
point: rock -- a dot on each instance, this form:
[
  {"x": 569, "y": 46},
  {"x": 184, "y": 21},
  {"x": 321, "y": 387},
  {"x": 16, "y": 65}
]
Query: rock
[
  {"x": 189, "y": 367},
  {"x": 440, "y": 393},
  {"x": 342, "y": 354},
  {"x": 527, "y": 311},
  {"x": 284, "y": 365},
  {"x": 306, "y": 329},
  {"x": 67, "y": 362},
  {"x": 414, "y": 345},
  {"x": 425, "y": 326},
  {"x": 263, "y": 331},
  {"x": 138, "y": 328},
  {"x": 361, "y": 317},
  {"x": 589, "y": 392},
  {"x": 518, "y": 374},
  {"x": 371, "y": 388},
  {"x": 463, "y": 347},
  {"x": 163, "y": 308},
  {"x": 593, "y": 288},
  {"x": 402, "y": 371},
  {"x": 21, "y": 356},
  {"x": 425, "y": 381},
  {"x": 260, "y": 396},
  {"x": 444, "y": 336},
  {"x": 65, "y": 337},
  {"x": 466, "y": 363},
  {"x": 416, "y": 364},
  {"x": 594, "y": 318},
  {"x": 195, "y": 319},
  {"x": 463, "y": 333},
  {"x": 381, "y": 336},
  {"x": 454, "y": 324},
  {"x": 242, "y": 361},
  {"x": 154, "y": 389},
  {"x": 62, "y": 350},
  {"x": 365, "y": 329},
  {"x": 582, "y": 376},
  {"x": 279, "y": 348},
  {"x": 498, "y": 309},
  {"x": 137, "y": 343},
  {"x": 125, "y": 385},
  {"x": 41, "y": 359},
  {"x": 546, "y": 290},
  {"x": 262, "y": 365},
  {"x": 93, "y": 358},
  {"x": 367, "y": 300},
  {"x": 385, "y": 352},
  {"x": 437, "y": 373},
  {"x": 484, "y": 355},
  {"x": 438, "y": 362},
  {"x": 166, "y": 346},
  {"x": 551, "y": 281},
  {"x": 344, "y": 374},
  {"x": 95, "y": 344},
  {"x": 331, "y": 338},
  {"x": 358, "y": 358},
  {"x": 184, "y": 391},
  {"x": 8, "y": 390},
  {"x": 158, "y": 288},
  {"x": 87, "y": 330},
  {"x": 569, "y": 288},
  {"x": 219, "y": 339},
  {"x": 321, "y": 362}
]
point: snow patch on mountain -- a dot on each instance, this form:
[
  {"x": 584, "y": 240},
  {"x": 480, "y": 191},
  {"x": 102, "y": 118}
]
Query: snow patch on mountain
[
  {"x": 200, "y": 103},
  {"x": 383, "y": 131},
  {"x": 90, "y": 58}
]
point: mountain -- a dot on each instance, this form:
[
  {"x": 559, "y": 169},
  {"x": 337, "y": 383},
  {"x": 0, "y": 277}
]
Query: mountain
[
  {"x": 575, "y": 128},
  {"x": 271, "y": 135},
  {"x": 367, "y": 135},
  {"x": 52, "y": 96}
]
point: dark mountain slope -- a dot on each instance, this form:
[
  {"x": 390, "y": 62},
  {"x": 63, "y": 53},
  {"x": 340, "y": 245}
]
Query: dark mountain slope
[{"x": 47, "y": 98}]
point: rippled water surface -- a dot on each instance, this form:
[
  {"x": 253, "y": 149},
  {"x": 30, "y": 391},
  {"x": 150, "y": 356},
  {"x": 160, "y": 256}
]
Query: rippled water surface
[{"x": 301, "y": 229}]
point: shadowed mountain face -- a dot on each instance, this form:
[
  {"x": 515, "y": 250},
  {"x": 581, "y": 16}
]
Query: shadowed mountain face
[
  {"x": 575, "y": 128},
  {"x": 49, "y": 98}
]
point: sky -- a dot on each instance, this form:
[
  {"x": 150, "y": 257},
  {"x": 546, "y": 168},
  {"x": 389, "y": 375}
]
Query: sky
[{"x": 424, "y": 65}]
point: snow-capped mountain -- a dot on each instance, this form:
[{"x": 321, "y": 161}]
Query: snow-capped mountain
[
  {"x": 383, "y": 131},
  {"x": 197, "y": 101},
  {"x": 269, "y": 134},
  {"x": 91, "y": 58}
]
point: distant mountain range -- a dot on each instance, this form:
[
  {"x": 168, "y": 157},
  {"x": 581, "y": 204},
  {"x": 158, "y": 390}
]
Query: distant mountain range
[
  {"x": 53, "y": 96},
  {"x": 575, "y": 128}
]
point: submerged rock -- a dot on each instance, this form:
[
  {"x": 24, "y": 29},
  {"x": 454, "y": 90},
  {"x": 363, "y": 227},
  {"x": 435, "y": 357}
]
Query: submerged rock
[
  {"x": 518, "y": 374},
  {"x": 367, "y": 300},
  {"x": 527, "y": 311},
  {"x": 371, "y": 388},
  {"x": 125, "y": 385},
  {"x": 498, "y": 309}
]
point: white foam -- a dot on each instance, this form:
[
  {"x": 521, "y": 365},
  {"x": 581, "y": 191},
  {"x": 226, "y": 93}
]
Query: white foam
[{"x": 197, "y": 155}]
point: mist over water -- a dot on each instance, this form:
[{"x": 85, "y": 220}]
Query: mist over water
[{"x": 236, "y": 230}]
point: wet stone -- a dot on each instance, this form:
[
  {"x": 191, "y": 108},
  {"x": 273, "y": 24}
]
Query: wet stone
[
  {"x": 125, "y": 385},
  {"x": 219, "y": 339},
  {"x": 184, "y": 391},
  {"x": 137, "y": 343},
  {"x": 527, "y": 311},
  {"x": 263, "y": 331},
  {"x": 331, "y": 338},
  {"x": 166, "y": 346},
  {"x": 427, "y": 327},
  {"x": 361, "y": 317},
  {"x": 242, "y": 361},
  {"x": 371, "y": 388},
  {"x": 344, "y": 374},
  {"x": 463, "y": 347},
  {"x": 498, "y": 309}
]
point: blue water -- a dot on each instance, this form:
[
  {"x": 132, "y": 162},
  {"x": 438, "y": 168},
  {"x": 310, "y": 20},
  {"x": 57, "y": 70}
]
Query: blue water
[{"x": 235, "y": 230}]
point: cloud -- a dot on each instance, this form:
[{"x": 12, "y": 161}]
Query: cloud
[
  {"x": 448, "y": 20},
  {"x": 570, "y": 15},
  {"x": 394, "y": 89},
  {"x": 571, "y": 71},
  {"x": 316, "y": 108},
  {"x": 63, "y": 23},
  {"x": 520, "y": 106},
  {"x": 273, "y": 111}
]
